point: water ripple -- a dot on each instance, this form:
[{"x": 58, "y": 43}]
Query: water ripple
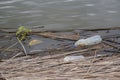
[
  {"x": 69, "y": 0},
  {"x": 9, "y": 2},
  {"x": 31, "y": 11},
  {"x": 91, "y": 14},
  {"x": 7, "y": 7},
  {"x": 4, "y": 17},
  {"x": 112, "y": 11},
  {"x": 89, "y": 5}
]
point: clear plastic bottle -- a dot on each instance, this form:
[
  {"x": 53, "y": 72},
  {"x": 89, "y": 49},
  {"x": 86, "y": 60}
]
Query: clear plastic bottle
[
  {"x": 89, "y": 41},
  {"x": 74, "y": 58}
]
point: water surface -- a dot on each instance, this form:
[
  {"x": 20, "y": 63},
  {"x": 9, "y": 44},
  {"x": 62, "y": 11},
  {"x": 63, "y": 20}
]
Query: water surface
[{"x": 60, "y": 14}]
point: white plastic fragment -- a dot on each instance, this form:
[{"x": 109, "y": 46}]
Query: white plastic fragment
[
  {"x": 89, "y": 41},
  {"x": 73, "y": 58}
]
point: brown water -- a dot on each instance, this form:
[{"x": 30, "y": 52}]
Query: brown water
[{"x": 60, "y": 14}]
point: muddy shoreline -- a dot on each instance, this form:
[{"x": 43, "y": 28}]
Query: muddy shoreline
[{"x": 45, "y": 61}]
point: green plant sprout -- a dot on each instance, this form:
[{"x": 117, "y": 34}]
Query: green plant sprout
[{"x": 22, "y": 33}]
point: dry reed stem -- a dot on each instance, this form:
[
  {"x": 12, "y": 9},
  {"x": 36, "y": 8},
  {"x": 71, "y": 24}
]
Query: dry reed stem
[
  {"x": 92, "y": 64},
  {"x": 9, "y": 47},
  {"x": 3, "y": 76},
  {"x": 22, "y": 46},
  {"x": 69, "y": 53},
  {"x": 106, "y": 65},
  {"x": 16, "y": 54}
]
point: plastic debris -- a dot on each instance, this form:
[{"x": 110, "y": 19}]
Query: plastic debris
[
  {"x": 89, "y": 41},
  {"x": 74, "y": 58},
  {"x": 34, "y": 42}
]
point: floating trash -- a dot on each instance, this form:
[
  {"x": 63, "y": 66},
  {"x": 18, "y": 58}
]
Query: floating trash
[
  {"x": 89, "y": 41},
  {"x": 74, "y": 58}
]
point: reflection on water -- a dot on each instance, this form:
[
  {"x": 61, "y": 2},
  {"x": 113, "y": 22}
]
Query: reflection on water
[{"x": 61, "y": 14}]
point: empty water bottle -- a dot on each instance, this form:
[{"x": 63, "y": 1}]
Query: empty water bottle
[
  {"x": 74, "y": 58},
  {"x": 89, "y": 41}
]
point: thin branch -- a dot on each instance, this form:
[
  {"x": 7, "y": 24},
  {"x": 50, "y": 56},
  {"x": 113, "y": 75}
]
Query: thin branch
[
  {"x": 9, "y": 47},
  {"x": 69, "y": 53},
  {"x": 114, "y": 46},
  {"x": 22, "y": 46},
  {"x": 3, "y": 77},
  {"x": 92, "y": 64}
]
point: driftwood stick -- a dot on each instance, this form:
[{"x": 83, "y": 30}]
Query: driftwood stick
[
  {"x": 69, "y": 53},
  {"x": 39, "y": 29},
  {"x": 111, "y": 35},
  {"x": 114, "y": 46},
  {"x": 9, "y": 47},
  {"x": 92, "y": 64},
  {"x": 113, "y": 41},
  {"x": 100, "y": 29},
  {"x": 9, "y": 50},
  {"x": 107, "y": 65},
  {"x": 58, "y": 36}
]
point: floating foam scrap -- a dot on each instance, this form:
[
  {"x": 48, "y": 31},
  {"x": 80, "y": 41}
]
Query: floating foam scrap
[{"x": 34, "y": 42}]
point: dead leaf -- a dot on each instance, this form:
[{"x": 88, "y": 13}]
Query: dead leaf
[{"x": 34, "y": 42}]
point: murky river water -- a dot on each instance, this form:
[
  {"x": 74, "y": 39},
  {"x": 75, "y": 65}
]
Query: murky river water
[{"x": 60, "y": 14}]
